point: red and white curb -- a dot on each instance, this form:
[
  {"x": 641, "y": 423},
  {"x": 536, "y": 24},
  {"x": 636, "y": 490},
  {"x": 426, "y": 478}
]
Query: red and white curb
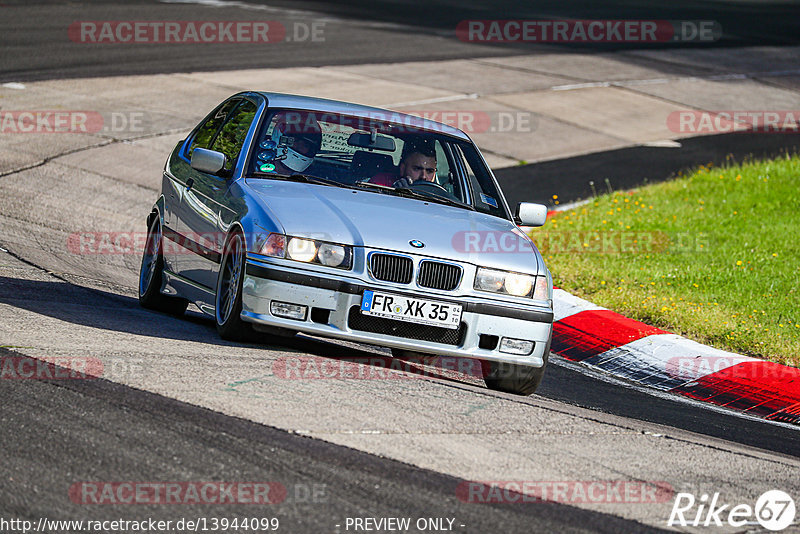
[{"x": 651, "y": 357}]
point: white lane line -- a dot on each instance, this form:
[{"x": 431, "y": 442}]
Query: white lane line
[
  {"x": 586, "y": 85},
  {"x": 286, "y": 12},
  {"x": 664, "y": 143},
  {"x": 655, "y": 81},
  {"x": 241, "y": 5},
  {"x": 450, "y": 98},
  {"x": 572, "y": 205}
]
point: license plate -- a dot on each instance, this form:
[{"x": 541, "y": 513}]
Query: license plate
[{"x": 411, "y": 310}]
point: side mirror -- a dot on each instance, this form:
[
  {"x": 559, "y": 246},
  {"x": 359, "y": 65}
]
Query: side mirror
[
  {"x": 530, "y": 214},
  {"x": 208, "y": 161}
]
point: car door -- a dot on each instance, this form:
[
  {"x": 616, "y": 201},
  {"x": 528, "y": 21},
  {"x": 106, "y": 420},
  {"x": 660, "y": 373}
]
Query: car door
[
  {"x": 179, "y": 179},
  {"x": 205, "y": 211}
]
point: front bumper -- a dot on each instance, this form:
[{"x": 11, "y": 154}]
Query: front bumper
[{"x": 331, "y": 301}]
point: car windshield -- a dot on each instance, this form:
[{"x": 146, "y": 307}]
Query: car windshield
[{"x": 382, "y": 155}]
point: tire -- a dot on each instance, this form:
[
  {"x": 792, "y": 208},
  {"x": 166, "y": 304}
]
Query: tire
[
  {"x": 228, "y": 302},
  {"x": 151, "y": 275},
  {"x": 513, "y": 378}
]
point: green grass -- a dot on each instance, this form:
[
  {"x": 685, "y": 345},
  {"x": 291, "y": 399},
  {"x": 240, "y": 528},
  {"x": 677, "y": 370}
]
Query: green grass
[{"x": 713, "y": 255}]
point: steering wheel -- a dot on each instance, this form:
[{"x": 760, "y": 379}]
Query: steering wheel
[{"x": 434, "y": 189}]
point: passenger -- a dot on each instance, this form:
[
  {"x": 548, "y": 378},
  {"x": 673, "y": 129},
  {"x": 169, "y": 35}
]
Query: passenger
[{"x": 299, "y": 138}]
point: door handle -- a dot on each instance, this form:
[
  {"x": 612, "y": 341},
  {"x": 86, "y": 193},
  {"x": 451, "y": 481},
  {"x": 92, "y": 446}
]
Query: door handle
[{"x": 189, "y": 183}]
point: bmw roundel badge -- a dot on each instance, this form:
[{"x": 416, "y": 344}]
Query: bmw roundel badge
[{"x": 416, "y": 243}]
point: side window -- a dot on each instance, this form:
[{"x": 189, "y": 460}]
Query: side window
[
  {"x": 231, "y": 137},
  {"x": 206, "y": 133},
  {"x": 486, "y": 197},
  {"x": 442, "y": 163},
  {"x": 446, "y": 170}
]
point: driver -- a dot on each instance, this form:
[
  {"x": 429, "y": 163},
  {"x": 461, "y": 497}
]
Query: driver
[
  {"x": 418, "y": 162},
  {"x": 298, "y": 137}
]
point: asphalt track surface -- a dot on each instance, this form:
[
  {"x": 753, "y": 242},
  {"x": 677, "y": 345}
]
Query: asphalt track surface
[
  {"x": 36, "y": 46},
  {"x": 57, "y": 432},
  {"x": 143, "y": 437}
]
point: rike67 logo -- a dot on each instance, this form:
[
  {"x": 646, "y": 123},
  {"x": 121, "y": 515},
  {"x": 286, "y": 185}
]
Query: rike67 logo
[{"x": 774, "y": 510}]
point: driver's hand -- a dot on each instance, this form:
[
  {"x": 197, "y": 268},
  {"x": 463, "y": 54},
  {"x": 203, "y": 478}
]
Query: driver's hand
[{"x": 403, "y": 182}]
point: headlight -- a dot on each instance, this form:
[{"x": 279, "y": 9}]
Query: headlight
[
  {"x": 518, "y": 285},
  {"x": 332, "y": 255},
  {"x": 515, "y": 284},
  {"x": 487, "y": 280},
  {"x": 300, "y": 249},
  {"x": 307, "y": 251}
]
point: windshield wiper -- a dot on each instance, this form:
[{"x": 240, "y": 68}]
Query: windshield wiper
[
  {"x": 399, "y": 191},
  {"x": 406, "y": 191},
  {"x": 297, "y": 177}
]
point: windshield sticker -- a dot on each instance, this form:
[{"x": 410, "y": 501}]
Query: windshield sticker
[
  {"x": 486, "y": 199},
  {"x": 266, "y": 167}
]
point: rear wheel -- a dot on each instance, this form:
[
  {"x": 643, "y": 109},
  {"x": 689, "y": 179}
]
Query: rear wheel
[
  {"x": 513, "y": 378},
  {"x": 151, "y": 275},
  {"x": 229, "y": 292}
]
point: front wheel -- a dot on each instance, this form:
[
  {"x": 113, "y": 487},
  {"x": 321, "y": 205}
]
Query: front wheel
[
  {"x": 229, "y": 292},
  {"x": 151, "y": 275},
  {"x": 513, "y": 378}
]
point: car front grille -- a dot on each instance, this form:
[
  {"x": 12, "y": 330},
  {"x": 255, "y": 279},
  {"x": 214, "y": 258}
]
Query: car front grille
[
  {"x": 437, "y": 275},
  {"x": 378, "y": 325},
  {"x": 391, "y": 268}
]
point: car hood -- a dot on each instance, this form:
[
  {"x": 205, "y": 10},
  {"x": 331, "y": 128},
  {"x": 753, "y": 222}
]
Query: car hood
[{"x": 388, "y": 222}]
